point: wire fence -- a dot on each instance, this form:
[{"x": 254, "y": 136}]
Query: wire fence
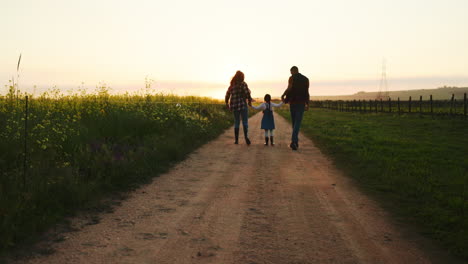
[{"x": 423, "y": 106}]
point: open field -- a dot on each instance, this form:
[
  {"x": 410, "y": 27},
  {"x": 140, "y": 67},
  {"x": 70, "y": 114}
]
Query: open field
[
  {"x": 417, "y": 167},
  {"x": 80, "y": 149},
  {"x": 60, "y": 153},
  {"x": 230, "y": 203}
]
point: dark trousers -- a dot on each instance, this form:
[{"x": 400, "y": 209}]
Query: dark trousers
[{"x": 297, "y": 112}]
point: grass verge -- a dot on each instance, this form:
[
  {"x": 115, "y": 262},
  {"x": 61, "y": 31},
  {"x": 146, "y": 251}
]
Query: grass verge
[{"x": 417, "y": 167}]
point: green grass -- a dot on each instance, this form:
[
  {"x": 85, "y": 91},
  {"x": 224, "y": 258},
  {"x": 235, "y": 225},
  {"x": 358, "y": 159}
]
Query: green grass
[
  {"x": 82, "y": 148},
  {"x": 417, "y": 167}
]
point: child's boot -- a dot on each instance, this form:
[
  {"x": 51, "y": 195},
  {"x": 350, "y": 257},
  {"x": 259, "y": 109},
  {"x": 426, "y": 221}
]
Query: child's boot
[
  {"x": 246, "y": 132},
  {"x": 266, "y": 141},
  {"x": 271, "y": 141},
  {"x": 236, "y": 135}
]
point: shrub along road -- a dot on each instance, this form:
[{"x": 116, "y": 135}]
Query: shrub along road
[{"x": 231, "y": 203}]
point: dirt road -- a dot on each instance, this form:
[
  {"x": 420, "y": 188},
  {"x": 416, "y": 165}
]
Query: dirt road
[{"x": 231, "y": 203}]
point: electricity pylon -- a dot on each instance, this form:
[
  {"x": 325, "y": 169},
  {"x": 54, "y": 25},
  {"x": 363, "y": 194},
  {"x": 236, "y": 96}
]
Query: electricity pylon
[{"x": 383, "y": 87}]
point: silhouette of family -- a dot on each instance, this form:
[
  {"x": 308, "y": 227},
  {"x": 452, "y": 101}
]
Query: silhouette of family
[{"x": 238, "y": 99}]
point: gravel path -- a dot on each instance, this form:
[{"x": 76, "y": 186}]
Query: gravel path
[{"x": 231, "y": 203}]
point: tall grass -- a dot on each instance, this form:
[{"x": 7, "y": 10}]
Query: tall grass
[{"x": 81, "y": 147}]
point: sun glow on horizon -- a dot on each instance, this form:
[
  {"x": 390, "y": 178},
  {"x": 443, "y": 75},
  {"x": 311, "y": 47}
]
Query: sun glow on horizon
[{"x": 207, "y": 41}]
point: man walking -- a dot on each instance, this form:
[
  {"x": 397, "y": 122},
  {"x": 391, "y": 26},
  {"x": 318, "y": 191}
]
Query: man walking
[{"x": 297, "y": 95}]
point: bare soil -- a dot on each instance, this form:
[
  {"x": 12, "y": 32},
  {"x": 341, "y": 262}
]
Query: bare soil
[{"x": 231, "y": 203}]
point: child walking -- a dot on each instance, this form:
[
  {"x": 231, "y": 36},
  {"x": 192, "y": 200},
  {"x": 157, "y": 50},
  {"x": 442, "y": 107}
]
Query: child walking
[{"x": 268, "y": 122}]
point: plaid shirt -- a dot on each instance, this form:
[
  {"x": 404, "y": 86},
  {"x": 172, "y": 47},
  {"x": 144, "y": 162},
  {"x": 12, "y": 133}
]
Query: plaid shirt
[{"x": 238, "y": 93}]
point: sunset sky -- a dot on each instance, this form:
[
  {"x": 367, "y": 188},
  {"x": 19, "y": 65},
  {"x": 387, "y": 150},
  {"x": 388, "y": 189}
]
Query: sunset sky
[{"x": 194, "y": 47}]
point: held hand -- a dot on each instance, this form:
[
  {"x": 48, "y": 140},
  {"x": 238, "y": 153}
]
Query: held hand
[
  {"x": 306, "y": 107},
  {"x": 250, "y": 103},
  {"x": 227, "y": 106}
]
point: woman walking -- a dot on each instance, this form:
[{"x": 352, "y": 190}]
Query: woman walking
[{"x": 237, "y": 98}]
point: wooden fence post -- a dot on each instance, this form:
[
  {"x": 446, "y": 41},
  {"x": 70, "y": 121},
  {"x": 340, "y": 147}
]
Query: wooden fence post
[
  {"x": 409, "y": 105},
  {"x": 389, "y": 105},
  {"x": 399, "y": 106},
  {"x": 376, "y": 105},
  {"x": 381, "y": 105},
  {"x": 25, "y": 163},
  {"x": 451, "y": 104},
  {"x": 432, "y": 110},
  {"x": 420, "y": 105},
  {"x": 464, "y": 105}
]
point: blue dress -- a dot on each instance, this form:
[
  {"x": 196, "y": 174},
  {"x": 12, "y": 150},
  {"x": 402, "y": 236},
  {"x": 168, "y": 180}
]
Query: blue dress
[{"x": 268, "y": 122}]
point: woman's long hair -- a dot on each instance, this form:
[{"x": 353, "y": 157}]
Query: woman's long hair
[{"x": 238, "y": 78}]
